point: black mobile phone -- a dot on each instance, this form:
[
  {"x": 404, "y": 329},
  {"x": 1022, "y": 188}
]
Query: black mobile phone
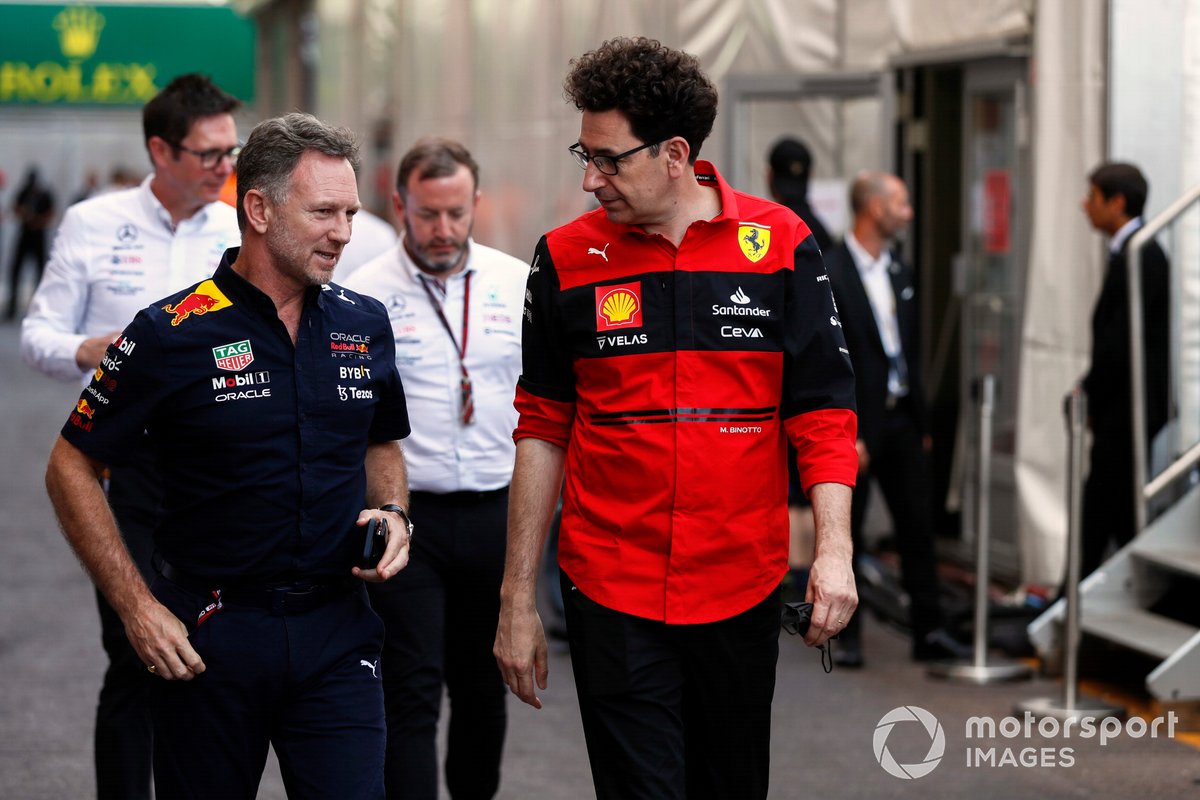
[{"x": 373, "y": 543}]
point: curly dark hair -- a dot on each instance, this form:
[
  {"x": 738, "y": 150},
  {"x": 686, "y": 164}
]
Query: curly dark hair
[{"x": 663, "y": 92}]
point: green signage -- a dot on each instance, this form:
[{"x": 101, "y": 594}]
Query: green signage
[{"x": 118, "y": 55}]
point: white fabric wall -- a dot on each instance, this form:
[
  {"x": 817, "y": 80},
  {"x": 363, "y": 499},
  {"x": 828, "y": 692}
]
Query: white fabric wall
[
  {"x": 1065, "y": 269},
  {"x": 1187, "y": 251}
]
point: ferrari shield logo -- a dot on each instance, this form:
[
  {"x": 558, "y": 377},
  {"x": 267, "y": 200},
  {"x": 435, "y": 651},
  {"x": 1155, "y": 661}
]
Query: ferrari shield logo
[{"x": 755, "y": 241}]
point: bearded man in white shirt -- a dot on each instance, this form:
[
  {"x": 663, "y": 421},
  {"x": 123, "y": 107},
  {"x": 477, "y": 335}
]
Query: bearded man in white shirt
[
  {"x": 455, "y": 307},
  {"x": 114, "y": 254}
]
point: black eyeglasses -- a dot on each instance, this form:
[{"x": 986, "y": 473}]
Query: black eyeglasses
[
  {"x": 210, "y": 158},
  {"x": 606, "y": 164}
]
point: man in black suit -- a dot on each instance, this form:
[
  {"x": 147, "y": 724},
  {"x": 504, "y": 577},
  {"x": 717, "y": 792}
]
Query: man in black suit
[
  {"x": 1114, "y": 202},
  {"x": 878, "y": 311}
]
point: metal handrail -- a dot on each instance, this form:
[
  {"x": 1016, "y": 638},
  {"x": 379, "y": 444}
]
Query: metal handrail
[{"x": 1143, "y": 492}]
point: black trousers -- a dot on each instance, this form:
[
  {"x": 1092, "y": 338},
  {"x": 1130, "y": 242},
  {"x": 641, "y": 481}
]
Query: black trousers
[
  {"x": 124, "y": 737},
  {"x": 675, "y": 711},
  {"x": 1107, "y": 508},
  {"x": 900, "y": 466},
  {"x": 441, "y": 613}
]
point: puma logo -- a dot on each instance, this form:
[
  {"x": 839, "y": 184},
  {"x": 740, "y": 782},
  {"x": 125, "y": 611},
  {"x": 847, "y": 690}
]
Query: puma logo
[
  {"x": 370, "y": 666},
  {"x": 594, "y": 252}
]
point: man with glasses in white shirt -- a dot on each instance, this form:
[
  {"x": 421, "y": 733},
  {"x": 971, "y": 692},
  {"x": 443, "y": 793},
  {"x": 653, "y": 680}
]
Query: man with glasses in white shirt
[
  {"x": 455, "y": 307},
  {"x": 113, "y": 255}
]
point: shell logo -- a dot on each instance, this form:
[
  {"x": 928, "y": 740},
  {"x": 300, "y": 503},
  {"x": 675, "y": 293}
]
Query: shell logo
[{"x": 619, "y": 306}]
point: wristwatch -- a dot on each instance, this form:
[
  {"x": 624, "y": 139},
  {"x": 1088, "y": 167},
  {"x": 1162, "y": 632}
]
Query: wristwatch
[{"x": 395, "y": 509}]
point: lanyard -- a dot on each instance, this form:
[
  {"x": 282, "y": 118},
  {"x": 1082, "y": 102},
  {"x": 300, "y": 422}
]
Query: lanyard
[{"x": 468, "y": 405}]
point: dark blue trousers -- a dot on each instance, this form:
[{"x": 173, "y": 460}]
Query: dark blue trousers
[
  {"x": 305, "y": 683},
  {"x": 675, "y": 711},
  {"x": 441, "y": 613}
]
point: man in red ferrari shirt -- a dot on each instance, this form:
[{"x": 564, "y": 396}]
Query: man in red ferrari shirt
[{"x": 675, "y": 339}]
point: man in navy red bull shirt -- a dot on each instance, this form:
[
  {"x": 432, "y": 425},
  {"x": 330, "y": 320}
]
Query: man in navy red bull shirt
[
  {"x": 113, "y": 254},
  {"x": 273, "y": 405},
  {"x": 674, "y": 340}
]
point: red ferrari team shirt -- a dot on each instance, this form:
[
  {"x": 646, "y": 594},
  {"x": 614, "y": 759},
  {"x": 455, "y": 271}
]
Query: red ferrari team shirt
[{"x": 673, "y": 377}]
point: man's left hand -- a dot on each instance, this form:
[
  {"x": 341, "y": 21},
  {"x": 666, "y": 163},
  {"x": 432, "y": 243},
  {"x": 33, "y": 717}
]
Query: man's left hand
[
  {"x": 395, "y": 554},
  {"x": 834, "y": 597}
]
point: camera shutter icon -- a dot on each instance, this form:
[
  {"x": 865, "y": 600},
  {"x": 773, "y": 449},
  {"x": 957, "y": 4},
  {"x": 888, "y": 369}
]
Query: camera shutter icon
[{"x": 933, "y": 728}]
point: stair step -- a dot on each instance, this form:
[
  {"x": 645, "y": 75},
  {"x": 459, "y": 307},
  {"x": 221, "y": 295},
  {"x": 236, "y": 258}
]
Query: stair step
[
  {"x": 1177, "y": 557},
  {"x": 1138, "y": 630}
]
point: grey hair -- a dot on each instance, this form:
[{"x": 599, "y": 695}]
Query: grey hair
[{"x": 274, "y": 149}]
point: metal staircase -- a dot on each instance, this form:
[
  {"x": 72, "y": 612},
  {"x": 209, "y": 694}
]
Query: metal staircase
[
  {"x": 1117, "y": 598},
  {"x": 1119, "y": 603}
]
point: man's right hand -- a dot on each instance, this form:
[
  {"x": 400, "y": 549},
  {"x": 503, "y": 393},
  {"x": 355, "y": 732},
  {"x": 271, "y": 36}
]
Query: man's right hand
[
  {"x": 521, "y": 650},
  {"x": 161, "y": 641},
  {"x": 92, "y": 350}
]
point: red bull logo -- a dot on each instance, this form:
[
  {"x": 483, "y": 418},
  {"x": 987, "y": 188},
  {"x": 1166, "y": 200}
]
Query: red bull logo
[
  {"x": 206, "y": 298},
  {"x": 84, "y": 409},
  {"x": 194, "y": 303}
]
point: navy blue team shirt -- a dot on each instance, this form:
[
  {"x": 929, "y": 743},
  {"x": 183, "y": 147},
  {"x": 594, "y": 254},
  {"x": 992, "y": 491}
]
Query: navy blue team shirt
[{"x": 260, "y": 444}]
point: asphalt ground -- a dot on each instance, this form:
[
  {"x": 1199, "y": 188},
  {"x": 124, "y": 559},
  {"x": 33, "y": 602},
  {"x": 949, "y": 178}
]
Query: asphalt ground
[{"x": 824, "y": 726}]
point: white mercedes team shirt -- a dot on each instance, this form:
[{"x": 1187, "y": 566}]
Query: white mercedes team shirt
[
  {"x": 114, "y": 255},
  {"x": 442, "y": 453}
]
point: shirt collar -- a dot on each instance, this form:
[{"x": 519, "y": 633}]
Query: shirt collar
[
  {"x": 706, "y": 175},
  {"x": 240, "y": 290},
  {"x": 156, "y": 210},
  {"x": 1123, "y": 233},
  {"x": 865, "y": 262}
]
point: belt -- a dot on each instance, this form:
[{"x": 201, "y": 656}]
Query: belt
[
  {"x": 292, "y": 598},
  {"x": 459, "y": 498}
]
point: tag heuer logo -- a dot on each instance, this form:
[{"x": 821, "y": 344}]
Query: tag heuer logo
[{"x": 234, "y": 356}]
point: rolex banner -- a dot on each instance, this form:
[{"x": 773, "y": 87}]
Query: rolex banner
[{"x": 118, "y": 55}]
